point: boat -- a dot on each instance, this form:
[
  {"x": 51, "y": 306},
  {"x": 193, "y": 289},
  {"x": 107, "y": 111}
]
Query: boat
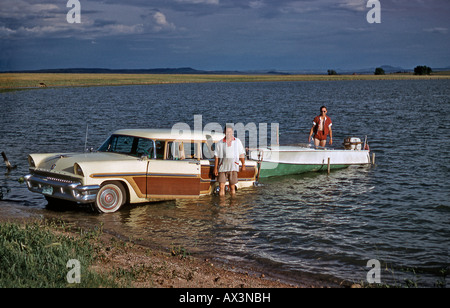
[{"x": 296, "y": 159}]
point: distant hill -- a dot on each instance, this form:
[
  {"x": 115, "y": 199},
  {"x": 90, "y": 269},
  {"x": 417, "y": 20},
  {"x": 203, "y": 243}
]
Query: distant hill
[
  {"x": 389, "y": 69},
  {"x": 181, "y": 70}
]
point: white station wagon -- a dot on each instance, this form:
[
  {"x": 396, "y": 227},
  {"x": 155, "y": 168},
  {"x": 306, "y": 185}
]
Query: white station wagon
[{"x": 134, "y": 166}]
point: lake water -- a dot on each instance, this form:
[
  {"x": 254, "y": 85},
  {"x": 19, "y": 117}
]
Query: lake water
[{"x": 319, "y": 225}]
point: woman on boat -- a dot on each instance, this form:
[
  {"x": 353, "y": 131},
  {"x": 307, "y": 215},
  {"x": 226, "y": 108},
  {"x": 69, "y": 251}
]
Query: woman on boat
[{"x": 321, "y": 128}]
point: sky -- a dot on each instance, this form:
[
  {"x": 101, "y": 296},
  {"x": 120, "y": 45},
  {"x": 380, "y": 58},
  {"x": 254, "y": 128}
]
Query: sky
[{"x": 285, "y": 35}]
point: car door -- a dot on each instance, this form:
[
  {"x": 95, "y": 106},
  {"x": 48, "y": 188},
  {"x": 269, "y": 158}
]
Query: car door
[{"x": 177, "y": 177}]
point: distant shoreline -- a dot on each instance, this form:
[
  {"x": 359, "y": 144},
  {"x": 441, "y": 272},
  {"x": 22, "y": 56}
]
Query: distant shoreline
[{"x": 17, "y": 81}]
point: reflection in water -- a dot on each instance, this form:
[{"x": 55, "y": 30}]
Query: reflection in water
[
  {"x": 283, "y": 221},
  {"x": 195, "y": 224}
]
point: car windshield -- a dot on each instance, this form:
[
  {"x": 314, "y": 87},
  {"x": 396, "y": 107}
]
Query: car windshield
[{"x": 129, "y": 145}]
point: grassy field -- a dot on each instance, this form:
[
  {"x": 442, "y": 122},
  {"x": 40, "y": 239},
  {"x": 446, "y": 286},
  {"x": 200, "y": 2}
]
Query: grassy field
[{"x": 34, "y": 80}]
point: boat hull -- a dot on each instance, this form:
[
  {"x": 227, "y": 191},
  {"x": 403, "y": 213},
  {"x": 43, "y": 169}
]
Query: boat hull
[{"x": 286, "y": 160}]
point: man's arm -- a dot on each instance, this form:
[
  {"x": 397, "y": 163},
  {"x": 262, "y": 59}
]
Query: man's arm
[
  {"x": 217, "y": 153},
  {"x": 216, "y": 164},
  {"x": 242, "y": 159},
  {"x": 241, "y": 154}
]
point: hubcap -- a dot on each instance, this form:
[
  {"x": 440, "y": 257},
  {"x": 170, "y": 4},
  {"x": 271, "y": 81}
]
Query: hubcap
[{"x": 109, "y": 198}]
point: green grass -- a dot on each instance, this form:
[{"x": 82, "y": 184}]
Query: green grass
[{"x": 34, "y": 256}]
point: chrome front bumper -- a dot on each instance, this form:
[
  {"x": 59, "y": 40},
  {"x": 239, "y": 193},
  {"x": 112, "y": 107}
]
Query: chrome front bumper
[{"x": 61, "y": 189}]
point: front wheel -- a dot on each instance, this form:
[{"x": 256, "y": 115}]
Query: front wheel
[{"x": 110, "y": 198}]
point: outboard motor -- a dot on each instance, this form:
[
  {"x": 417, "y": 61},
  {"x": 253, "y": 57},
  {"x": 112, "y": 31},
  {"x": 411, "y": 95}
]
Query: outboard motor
[{"x": 352, "y": 143}]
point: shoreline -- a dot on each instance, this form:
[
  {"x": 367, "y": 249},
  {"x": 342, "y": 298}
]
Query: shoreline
[
  {"x": 155, "y": 266},
  {"x": 23, "y": 81}
]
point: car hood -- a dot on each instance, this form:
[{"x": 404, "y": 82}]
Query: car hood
[{"x": 64, "y": 162}]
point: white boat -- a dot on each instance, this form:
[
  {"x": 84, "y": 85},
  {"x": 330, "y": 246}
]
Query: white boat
[{"x": 285, "y": 160}]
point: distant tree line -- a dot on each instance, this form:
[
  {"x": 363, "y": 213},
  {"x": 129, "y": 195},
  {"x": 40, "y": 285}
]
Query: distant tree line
[
  {"x": 418, "y": 70},
  {"x": 422, "y": 70},
  {"x": 379, "y": 71},
  {"x": 332, "y": 72}
]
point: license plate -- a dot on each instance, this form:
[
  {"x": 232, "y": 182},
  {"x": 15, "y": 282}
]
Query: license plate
[{"x": 47, "y": 190}]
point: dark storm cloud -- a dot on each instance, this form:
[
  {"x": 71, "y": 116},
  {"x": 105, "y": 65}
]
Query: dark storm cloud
[{"x": 225, "y": 34}]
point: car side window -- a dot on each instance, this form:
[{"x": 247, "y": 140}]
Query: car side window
[
  {"x": 145, "y": 147},
  {"x": 182, "y": 150},
  {"x": 176, "y": 151},
  {"x": 191, "y": 150},
  {"x": 208, "y": 150},
  {"x": 134, "y": 146},
  {"x": 121, "y": 144},
  {"x": 160, "y": 145}
]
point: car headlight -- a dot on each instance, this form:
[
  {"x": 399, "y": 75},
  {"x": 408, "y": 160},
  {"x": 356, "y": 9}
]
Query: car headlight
[{"x": 77, "y": 170}]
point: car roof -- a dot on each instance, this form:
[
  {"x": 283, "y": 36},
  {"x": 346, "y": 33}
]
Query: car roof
[{"x": 170, "y": 134}]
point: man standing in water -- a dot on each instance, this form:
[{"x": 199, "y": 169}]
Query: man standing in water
[
  {"x": 229, "y": 151},
  {"x": 321, "y": 128}
]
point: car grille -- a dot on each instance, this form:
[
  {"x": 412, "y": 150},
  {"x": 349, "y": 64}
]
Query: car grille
[{"x": 57, "y": 178}]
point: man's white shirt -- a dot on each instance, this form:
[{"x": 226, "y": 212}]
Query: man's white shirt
[{"x": 229, "y": 155}]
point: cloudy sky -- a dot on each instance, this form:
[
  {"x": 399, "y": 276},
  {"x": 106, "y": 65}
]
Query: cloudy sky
[{"x": 224, "y": 34}]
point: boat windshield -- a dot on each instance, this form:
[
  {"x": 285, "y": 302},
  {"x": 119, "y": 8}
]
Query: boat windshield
[{"x": 134, "y": 146}]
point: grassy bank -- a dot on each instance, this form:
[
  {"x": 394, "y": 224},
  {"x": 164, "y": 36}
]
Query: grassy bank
[
  {"x": 34, "y": 80},
  {"x": 35, "y": 254}
]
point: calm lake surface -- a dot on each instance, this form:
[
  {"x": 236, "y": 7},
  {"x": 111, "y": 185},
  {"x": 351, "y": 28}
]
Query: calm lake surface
[{"x": 326, "y": 226}]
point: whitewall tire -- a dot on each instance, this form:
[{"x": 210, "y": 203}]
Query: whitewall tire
[{"x": 110, "y": 198}]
